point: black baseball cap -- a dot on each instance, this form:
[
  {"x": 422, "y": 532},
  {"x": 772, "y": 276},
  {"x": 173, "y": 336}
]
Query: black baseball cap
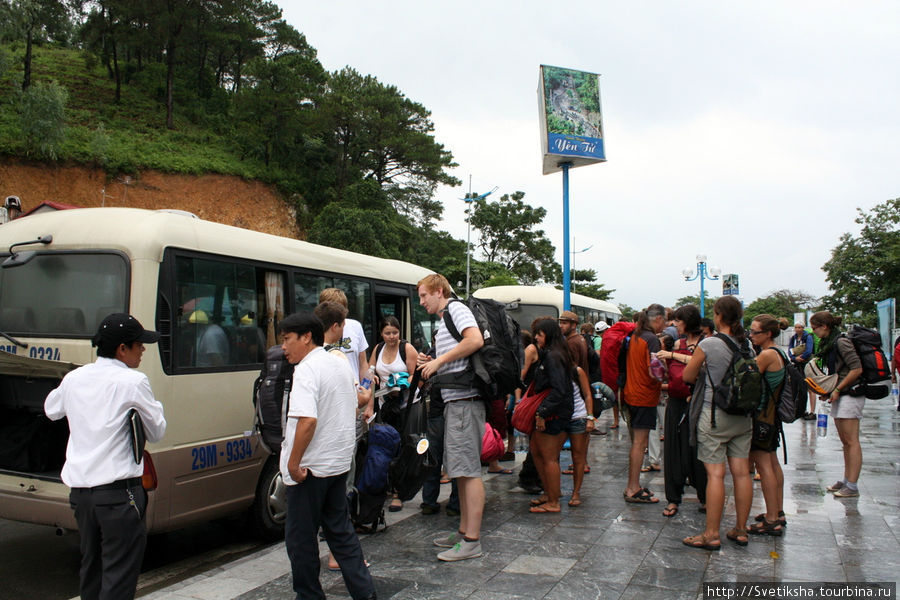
[{"x": 121, "y": 328}]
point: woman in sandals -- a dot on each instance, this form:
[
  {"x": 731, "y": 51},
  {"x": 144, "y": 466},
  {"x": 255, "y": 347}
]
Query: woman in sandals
[
  {"x": 680, "y": 464},
  {"x": 730, "y": 438},
  {"x": 839, "y": 356},
  {"x": 554, "y": 372},
  {"x": 387, "y": 360},
  {"x": 578, "y": 431},
  {"x": 764, "y": 329}
]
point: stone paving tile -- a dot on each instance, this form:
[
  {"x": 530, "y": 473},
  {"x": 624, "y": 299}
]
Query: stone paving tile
[{"x": 607, "y": 548}]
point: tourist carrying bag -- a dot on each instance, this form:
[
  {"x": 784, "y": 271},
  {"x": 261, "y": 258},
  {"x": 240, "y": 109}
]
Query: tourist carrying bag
[
  {"x": 409, "y": 469},
  {"x": 526, "y": 409},
  {"x": 492, "y": 447}
]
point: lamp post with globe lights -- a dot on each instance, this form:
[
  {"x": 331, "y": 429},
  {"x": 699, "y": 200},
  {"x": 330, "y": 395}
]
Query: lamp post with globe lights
[{"x": 702, "y": 274}]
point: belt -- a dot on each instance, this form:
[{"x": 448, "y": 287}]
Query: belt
[
  {"x": 469, "y": 399},
  {"x": 121, "y": 484}
]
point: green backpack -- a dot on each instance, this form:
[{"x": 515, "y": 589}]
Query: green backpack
[{"x": 741, "y": 390}]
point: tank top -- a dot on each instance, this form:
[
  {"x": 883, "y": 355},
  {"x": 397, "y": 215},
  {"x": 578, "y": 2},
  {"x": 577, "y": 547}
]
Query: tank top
[{"x": 580, "y": 411}]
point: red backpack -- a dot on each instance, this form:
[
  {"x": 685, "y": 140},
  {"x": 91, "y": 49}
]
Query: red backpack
[{"x": 609, "y": 352}]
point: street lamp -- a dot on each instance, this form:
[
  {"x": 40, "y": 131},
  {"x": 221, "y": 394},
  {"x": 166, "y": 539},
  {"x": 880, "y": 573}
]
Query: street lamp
[
  {"x": 713, "y": 275},
  {"x": 469, "y": 199},
  {"x": 574, "y": 252}
]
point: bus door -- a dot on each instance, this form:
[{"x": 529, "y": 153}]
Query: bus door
[{"x": 391, "y": 301}]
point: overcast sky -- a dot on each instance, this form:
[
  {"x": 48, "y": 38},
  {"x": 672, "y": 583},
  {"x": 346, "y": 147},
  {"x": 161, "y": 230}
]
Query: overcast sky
[{"x": 748, "y": 132}]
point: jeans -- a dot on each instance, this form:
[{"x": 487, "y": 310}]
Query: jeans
[{"x": 431, "y": 488}]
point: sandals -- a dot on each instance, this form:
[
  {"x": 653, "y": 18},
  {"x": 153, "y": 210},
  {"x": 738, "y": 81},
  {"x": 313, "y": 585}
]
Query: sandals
[
  {"x": 543, "y": 509},
  {"x": 762, "y": 517},
  {"x": 738, "y": 536},
  {"x": 571, "y": 469},
  {"x": 538, "y": 501},
  {"x": 649, "y": 468},
  {"x": 642, "y": 496},
  {"x": 702, "y": 542},
  {"x": 766, "y": 527},
  {"x": 671, "y": 510}
]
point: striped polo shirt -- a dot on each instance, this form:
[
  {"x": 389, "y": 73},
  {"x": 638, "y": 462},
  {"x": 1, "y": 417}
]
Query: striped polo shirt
[{"x": 463, "y": 318}]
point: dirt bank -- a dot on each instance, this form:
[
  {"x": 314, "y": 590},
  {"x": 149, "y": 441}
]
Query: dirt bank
[{"x": 220, "y": 198}]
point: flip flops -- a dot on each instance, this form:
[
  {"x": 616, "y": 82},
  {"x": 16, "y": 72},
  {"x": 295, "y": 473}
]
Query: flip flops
[
  {"x": 670, "y": 511},
  {"x": 571, "y": 469},
  {"x": 649, "y": 468},
  {"x": 543, "y": 509},
  {"x": 642, "y": 496},
  {"x": 702, "y": 542},
  {"x": 502, "y": 471}
]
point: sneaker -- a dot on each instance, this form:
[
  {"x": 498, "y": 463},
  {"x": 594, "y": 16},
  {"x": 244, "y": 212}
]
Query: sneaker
[
  {"x": 452, "y": 512},
  {"x": 430, "y": 509},
  {"x": 846, "y": 492},
  {"x": 834, "y": 487},
  {"x": 461, "y": 551},
  {"x": 449, "y": 541}
]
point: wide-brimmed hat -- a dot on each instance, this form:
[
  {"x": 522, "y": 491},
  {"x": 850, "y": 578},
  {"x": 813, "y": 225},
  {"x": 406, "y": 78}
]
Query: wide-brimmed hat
[
  {"x": 818, "y": 381},
  {"x": 568, "y": 315}
]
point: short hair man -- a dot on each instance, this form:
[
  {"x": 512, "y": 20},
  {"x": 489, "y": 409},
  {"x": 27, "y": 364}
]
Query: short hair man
[
  {"x": 353, "y": 342},
  {"x": 464, "y": 414},
  {"x": 568, "y": 324},
  {"x": 100, "y": 466},
  {"x": 319, "y": 440}
]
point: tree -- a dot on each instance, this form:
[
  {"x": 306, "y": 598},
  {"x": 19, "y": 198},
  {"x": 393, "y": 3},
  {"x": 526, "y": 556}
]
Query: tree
[
  {"x": 584, "y": 282},
  {"x": 780, "y": 303},
  {"x": 501, "y": 279},
  {"x": 865, "y": 269},
  {"x": 42, "y": 109},
  {"x": 695, "y": 300},
  {"x": 36, "y": 21},
  {"x": 507, "y": 235},
  {"x": 627, "y": 311}
]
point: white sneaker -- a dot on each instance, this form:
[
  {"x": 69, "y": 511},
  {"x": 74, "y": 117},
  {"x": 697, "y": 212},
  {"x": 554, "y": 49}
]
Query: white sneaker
[
  {"x": 449, "y": 541},
  {"x": 461, "y": 551}
]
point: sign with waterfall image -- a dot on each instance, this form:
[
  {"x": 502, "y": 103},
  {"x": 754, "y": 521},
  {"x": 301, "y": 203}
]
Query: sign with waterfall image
[{"x": 571, "y": 118}]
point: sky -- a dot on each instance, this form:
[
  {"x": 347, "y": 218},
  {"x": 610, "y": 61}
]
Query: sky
[{"x": 748, "y": 132}]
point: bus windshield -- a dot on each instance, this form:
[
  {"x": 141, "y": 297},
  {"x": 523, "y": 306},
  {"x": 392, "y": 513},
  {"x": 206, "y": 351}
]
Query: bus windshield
[{"x": 62, "y": 294}]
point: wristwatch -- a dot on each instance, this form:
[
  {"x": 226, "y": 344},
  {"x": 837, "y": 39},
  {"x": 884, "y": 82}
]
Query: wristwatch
[{"x": 590, "y": 418}]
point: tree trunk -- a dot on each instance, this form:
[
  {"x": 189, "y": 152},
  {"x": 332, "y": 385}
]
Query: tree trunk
[
  {"x": 26, "y": 80},
  {"x": 118, "y": 74},
  {"x": 170, "y": 83}
]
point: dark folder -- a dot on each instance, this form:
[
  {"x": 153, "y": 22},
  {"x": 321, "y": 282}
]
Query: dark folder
[{"x": 137, "y": 437}]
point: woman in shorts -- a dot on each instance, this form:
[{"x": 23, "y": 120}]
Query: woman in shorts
[
  {"x": 764, "y": 330},
  {"x": 730, "y": 438},
  {"x": 578, "y": 431},
  {"x": 837, "y": 355},
  {"x": 554, "y": 372}
]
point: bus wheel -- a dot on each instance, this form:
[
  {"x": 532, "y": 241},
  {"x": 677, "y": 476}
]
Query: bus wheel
[{"x": 267, "y": 515}]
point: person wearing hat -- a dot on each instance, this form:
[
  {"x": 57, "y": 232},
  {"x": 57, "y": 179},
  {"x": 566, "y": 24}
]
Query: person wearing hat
[
  {"x": 109, "y": 501},
  {"x": 599, "y": 328}
]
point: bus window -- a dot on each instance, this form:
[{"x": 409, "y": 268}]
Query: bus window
[
  {"x": 62, "y": 294},
  {"x": 359, "y": 297},
  {"x": 423, "y": 327},
  {"x": 220, "y": 313}
]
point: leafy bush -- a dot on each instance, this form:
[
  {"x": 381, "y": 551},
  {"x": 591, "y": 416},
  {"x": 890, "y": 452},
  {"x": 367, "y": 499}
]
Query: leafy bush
[{"x": 42, "y": 111}]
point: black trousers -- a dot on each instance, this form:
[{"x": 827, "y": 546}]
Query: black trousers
[
  {"x": 680, "y": 464},
  {"x": 322, "y": 502},
  {"x": 113, "y": 538}
]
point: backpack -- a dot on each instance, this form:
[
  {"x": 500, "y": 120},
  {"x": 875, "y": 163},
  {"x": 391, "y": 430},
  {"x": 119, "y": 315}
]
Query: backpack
[
  {"x": 677, "y": 386},
  {"x": 792, "y": 402},
  {"x": 593, "y": 358},
  {"x": 496, "y": 367},
  {"x": 613, "y": 340},
  {"x": 875, "y": 379},
  {"x": 741, "y": 390},
  {"x": 380, "y": 346},
  {"x": 271, "y": 391},
  {"x": 373, "y": 458},
  {"x": 413, "y": 463}
]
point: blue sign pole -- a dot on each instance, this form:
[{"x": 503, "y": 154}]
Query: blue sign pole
[
  {"x": 567, "y": 275},
  {"x": 701, "y": 270}
]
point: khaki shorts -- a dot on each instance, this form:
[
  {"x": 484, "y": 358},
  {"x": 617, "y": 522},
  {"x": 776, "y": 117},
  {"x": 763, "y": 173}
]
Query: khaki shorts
[
  {"x": 729, "y": 438},
  {"x": 463, "y": 433},
  {"x": 848, "y": 407}
]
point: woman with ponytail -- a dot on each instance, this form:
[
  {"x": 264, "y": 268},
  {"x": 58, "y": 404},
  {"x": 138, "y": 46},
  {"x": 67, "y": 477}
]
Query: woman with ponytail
[
  {"x": 836, "y": 354},
  {"x": 730, "y": 438}
]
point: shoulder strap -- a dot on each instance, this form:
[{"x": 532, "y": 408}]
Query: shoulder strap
[
  {"x": 448, "y": 322},
  {"x": 728, "y": 342},
  {"x": 403, "y": 351},
  {"x": 378, "y": 348}
]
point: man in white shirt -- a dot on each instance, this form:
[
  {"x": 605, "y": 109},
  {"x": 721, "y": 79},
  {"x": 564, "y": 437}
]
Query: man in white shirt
[
  {"x": 319, "y": 441},
  {"x": 464, "y": 414},
  {"x": 100, "y": 466}
]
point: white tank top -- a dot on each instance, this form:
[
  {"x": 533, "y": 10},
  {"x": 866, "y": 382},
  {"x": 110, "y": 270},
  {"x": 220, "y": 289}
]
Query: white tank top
[
  {"x": 580, "y": 409},
  {"x": 385, "y": 370}
]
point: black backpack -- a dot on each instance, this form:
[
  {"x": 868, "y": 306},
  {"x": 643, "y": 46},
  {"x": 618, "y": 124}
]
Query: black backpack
[
  {"x": 496, "y": 368},
  {"x": 792, "y": 401},
  {"x": 741, "y": 390},
  {"x": 593, "y": 358},
  {"x": 270, "y": 398},
  {"x": 875, "y": 379}
]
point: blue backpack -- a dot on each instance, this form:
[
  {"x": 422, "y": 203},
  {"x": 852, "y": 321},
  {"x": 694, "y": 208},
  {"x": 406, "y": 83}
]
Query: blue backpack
[{"x": 373, "y": 458}]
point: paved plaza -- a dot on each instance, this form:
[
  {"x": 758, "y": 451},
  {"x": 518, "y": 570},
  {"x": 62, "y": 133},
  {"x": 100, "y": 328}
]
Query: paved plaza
[{"x": 607, "y": 548}]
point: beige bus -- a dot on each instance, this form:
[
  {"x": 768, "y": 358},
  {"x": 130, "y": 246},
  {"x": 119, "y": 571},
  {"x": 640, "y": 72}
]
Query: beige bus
[
  {"x": 524, "y": 303},
  {"x": 215, "y": 293}
]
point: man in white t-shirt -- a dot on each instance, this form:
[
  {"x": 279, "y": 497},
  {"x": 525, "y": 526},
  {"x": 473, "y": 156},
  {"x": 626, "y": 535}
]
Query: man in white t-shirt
[
  {"x": 319, "y": 440},
  {"x": 353, "y": 343},
  {"x": 464, "y": 414}
]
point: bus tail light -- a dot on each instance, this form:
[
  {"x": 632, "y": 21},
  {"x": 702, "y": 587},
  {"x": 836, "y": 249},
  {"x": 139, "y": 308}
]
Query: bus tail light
[{"x": 149, "y": 479}]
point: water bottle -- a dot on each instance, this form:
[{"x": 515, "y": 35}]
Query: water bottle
[
  {"x": 366, "y": 383},
  {"x": 895, "y": 395},
  {"x": 822, "y": 410}
]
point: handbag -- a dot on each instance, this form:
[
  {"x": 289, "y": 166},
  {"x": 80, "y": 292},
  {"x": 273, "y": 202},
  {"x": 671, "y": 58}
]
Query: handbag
[
  {"x": 492, "y": 447},
  {"x": 412, "y": 465},
  {"x": 526, "y": 409},
  {"x": 799, "y": 349}
]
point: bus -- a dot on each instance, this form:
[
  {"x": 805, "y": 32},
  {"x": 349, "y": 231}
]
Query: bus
[
  {"x": 62, "y": 273},
  {"x": 525, "y": 303}
]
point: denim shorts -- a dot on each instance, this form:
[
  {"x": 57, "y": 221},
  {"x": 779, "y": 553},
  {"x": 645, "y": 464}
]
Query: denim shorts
[{"x": 577, "y": 426}]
